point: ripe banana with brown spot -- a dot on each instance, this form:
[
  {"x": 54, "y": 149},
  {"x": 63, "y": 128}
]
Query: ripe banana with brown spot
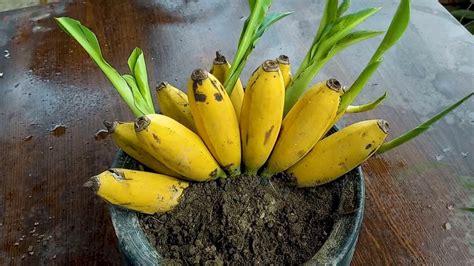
[
  {"x": 177, "y": 147},
  {"x": 137, "y": 190},
  {"x": 215, "y": 119},
  {"x": 262, "y": 113},
  {"x": 285, "y": 68},
  {"x": 339, "y": 153},
  {"x": 304, "y": 125},
  {"x": 174, "y": 103},
  {"x": 123, "y": 134},
  {"x": 220, "y": 69}
]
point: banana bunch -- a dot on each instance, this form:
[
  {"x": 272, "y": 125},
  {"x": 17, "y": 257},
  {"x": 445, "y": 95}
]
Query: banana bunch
[
  {"x": 201, "y": 136},
  {"x": 204, "y": 134}
]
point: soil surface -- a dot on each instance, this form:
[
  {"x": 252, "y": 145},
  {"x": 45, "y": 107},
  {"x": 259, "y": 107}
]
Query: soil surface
[{"x": 245, "y": 220}]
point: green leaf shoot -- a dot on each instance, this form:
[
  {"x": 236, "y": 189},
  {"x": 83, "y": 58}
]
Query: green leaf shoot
[
  {"x": 88, "y": 40},
  {"x": 366, "y": 107},
  {"x": 407, "y": 136},
  {"x": 254, "y": 27},
  {"x": 395, "y": 31}
]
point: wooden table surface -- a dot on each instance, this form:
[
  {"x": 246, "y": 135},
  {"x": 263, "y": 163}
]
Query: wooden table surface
[{"x": 413, "y": 193}]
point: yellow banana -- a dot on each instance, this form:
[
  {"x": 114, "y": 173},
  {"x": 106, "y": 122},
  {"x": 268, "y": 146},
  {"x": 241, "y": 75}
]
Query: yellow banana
[
  {"x": 215, "y": 119},
  {"x": 262, "y": 112},
  {"x": 177, "y": 147},
  {"x": 220, "y": 68},
  {"x": 285, "y": 68},
  {"x": 137, "y": 190},
  {"x": 174, "y": 103},
  {"x": 338, "y": 115},
  {"x": 304, "y": 125},
  {"x": 339, "y": 153},
  {"x": 125, "y": 138}
]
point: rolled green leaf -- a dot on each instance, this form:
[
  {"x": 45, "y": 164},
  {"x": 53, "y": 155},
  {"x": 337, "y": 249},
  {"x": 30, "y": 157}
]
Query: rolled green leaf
[
  {"x": 407, "y": 136},
  {"x": 139, "y": 72},
  {"x": 366, "y": 107}
]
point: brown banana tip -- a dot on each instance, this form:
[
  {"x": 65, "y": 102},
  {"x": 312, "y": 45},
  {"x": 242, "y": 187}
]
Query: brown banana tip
[
  {"x": 334, "y": 84},
  {"x": 199, "y": 75},
  {"x": 383, "y": 125},
  {"x": 93, "y": 183},
  {"x": 162, "y": 85},
  {"x": 220, "y": 59},
  {"x": 110, "y": 126},
  {"x": 270, "y": 66},
  {"x": 142, "y": 123},
  {"x": 283, "y": 59}
]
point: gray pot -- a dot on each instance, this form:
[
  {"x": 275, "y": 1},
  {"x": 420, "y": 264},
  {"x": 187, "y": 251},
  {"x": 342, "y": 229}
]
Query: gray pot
[{"x": 337, "y": 250}]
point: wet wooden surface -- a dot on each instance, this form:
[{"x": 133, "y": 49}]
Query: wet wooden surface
[{"x": 413, "y": 193}]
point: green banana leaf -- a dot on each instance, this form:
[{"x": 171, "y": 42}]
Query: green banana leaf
[
  {"x": 343, "y": 7},
  {"x": 88, "y": 40},
  {"x": 395, "y": 31},
  {"x": 366, "y": 107},
  {"x": 420, "y": 128},
  {"x": 339, "y": 30},
  {"x": 139, "y": 72},
  {"x": 254, "y": 27}
]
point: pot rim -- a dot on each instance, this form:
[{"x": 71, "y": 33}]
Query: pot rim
[{"x": 337, "y": 249}]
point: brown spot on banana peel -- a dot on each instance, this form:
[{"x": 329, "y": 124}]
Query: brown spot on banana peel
[
  {"x": 199, "y": 97},
  {"x": 267, "y": 135},
  {"x": 218, "y": 96},
  {"x": 217, "y": 86},
  {"x": 368, "y": 146},
  {"x": 156, "y": 138},
  {"x": 253, "y": 83}
]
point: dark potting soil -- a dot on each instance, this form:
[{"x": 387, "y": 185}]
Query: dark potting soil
[{"x": 245, "y": 220}]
